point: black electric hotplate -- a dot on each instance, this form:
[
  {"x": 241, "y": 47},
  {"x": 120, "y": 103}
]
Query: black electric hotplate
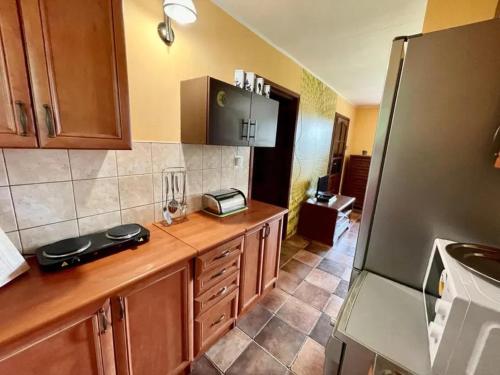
[{"x": 77, "y": 250}]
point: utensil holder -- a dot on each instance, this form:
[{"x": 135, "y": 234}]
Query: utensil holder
[{"x": 173, "y": 195}]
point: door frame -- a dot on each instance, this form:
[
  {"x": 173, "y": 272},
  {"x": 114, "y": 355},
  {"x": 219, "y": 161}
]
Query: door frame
[
  {"x": 284, "y": 92},
  {"x": 336, "y": 118}
]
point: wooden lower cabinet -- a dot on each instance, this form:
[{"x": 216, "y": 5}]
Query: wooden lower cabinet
[
  {"x": 260, "y": 262},
  {"x": 271, "y": 256},
  {"x": 82, "y": 346},
  {"x": 251, "y": 268},
  {"x": 152, "y": 324}
]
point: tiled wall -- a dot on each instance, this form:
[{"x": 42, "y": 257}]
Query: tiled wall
[{"x": 48, "y": 195}]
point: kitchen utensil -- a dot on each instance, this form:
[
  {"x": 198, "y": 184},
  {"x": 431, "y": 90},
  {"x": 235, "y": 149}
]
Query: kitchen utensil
[
  {"x": 166, "y": 213},
  {"x": 173, "y": 205}
]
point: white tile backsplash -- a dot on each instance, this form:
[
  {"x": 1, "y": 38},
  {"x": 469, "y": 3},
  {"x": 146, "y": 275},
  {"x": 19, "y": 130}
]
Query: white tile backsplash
[
  {"x": 228, "y": 154},
  {"x": 193, "y": 156},
  {"x": 96, "y": 196},
  {"x": 212, "y": 157},
  {"x": 211, "y": 179},
  {"x": 56, "y": 194},
  {"x": 7, "y": 216},
  {"x": 15, "y": 239},
  {"x": 87, "y": 164},
  {"x": 135, "y": 161},
  {"x": 99, "y": 223},
  {"x": 165, "y": 155},
  {"x": 41, "y": 204},
  {"x": 142, "y": 215},
  {"x": 136, "y": 190},
  {"x": 26, "y": 166},
  {"x": 33, "y": 238}
]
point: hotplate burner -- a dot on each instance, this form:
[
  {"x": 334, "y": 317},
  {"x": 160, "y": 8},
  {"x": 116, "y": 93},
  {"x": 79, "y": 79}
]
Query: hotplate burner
[
  {"x": 78, "y": 250},
  {"x": 68, "y": 247},
  {"x": 123, "y": 232}
]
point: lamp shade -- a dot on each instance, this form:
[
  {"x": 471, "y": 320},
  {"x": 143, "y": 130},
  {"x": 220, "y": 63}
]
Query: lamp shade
[{"x": 181, "y": 11}]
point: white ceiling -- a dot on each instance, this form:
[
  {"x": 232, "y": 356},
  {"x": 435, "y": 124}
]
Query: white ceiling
[{"x": 345, "y": 43}]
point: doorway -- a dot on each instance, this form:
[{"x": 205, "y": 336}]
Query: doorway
[
  {"x": 271, "y": 174},
  {"x": 337, "y": 152}
]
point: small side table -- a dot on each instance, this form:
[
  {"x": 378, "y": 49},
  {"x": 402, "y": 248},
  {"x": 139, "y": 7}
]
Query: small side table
[{"x": 325, "y": 222}]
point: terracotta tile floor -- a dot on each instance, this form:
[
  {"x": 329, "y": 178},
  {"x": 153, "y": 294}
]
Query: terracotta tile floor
[{"x": 287, "y": 331}]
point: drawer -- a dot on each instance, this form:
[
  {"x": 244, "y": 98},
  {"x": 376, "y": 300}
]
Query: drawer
[
  {"x": 219, "y": 255},
  {"x": 215, "y": 322},
  {"x": 216, "y": 293},
  {"x": 208, "y": 279}
]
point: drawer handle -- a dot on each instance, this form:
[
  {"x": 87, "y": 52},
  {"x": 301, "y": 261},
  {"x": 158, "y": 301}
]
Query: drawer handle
[
  {"x": 220, "y": 273},
  {"x": 222, "y": 317},
  {"x": 223, "y": 255},
  {"x": 219, "y": 293}
]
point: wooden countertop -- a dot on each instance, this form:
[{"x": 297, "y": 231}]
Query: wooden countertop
[
  {"x": 203, "y": 231},
  {"x": 37, "y": 299}
]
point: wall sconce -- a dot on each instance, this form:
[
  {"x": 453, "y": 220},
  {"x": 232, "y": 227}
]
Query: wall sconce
[{"x": 181, "y": 11}]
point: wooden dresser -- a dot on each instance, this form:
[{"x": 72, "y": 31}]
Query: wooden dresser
[{"x": 356, "y": 178}]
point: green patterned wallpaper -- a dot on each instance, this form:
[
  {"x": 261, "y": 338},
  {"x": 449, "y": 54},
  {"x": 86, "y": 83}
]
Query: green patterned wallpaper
[{"x": 312, "y": 142}]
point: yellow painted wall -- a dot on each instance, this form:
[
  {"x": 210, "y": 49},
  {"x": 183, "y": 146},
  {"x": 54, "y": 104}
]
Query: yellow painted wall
[
  {"x": 363, "y": 133},
  {"x": 443, "y": 14},
  {"x": 214, "y": 45},
  {"x": 312, "y": 142}
]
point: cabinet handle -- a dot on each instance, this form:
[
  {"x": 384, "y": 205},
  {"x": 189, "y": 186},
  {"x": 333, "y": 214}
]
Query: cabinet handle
[
  {"x": 219, "y": 274},
  {"x": 254, "y": 124},
  {"x": 268, "y": 230},
  {"x": 105, "y": 323},
  {"x": 122, "y": 307},
  {"x": 244, "y": 131},
  {"x": 222, "y": 317},
  {"x": 49, "y": 121},
  {"x": 223, "y": 255},
  {"x": 219, "y": 293},
  {"x": 23, "y": 117}
]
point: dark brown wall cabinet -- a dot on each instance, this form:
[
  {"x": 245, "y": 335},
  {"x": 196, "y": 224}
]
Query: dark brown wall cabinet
[
  {"x": 217, "y": 113},
  {"x": 63, "y": 79}
]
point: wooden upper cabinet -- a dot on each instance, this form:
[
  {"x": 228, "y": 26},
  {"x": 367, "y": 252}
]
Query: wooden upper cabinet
[
  {"x": 76, "y": 58},
  {"x": 152, "y": 324},
  {"x": 82, "y": 347},
  {"x": 251, "y": 268},
  {"x": 271, "y": 257},
  {"x": 16, "y": 116}
]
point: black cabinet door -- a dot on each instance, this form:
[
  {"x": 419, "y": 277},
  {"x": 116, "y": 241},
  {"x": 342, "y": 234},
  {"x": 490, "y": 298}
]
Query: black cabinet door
[
  {"x": 229, "y": 114},
  {"x": 264, "y": 121}
]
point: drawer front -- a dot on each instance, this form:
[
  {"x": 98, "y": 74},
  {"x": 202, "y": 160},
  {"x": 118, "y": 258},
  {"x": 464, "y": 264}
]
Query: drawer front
[
  {"x": 214, "y": 323},
  {"x": 219, "y": 255},
  {"x": 216, "y": 293},
  {"x": 208, "y": 279}
]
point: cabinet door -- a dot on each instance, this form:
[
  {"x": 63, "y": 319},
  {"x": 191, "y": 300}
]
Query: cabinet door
[
  {"x": 229, "y": 114},
  {"x": 153, "y": 324},
  {"x": 83, "y": 347},
  {"x": 272, "y": 247},
  {"x": 251, "y": 268},
  {"x": 16, "y": 116},
  {"x": 76, "y": 54},
  {"x": 264, "y": 121}
]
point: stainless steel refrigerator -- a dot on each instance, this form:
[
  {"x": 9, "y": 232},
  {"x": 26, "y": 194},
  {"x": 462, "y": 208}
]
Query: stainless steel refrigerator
[
  {"x": 432, "y": 172},
  {"x": 432, "y": 175}
]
